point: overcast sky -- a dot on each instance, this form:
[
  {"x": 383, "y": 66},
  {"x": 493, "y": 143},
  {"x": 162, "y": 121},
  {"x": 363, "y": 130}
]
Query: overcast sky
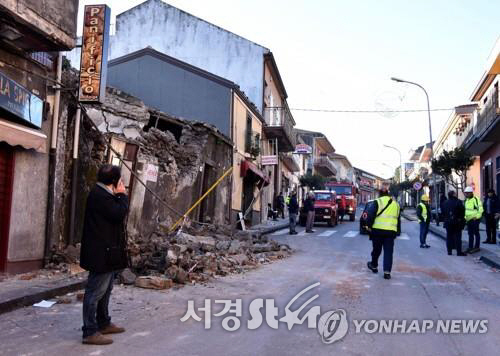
[{"x": 339, "y": 55}]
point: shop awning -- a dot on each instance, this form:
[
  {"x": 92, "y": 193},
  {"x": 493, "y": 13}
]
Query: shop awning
[
  {"x": 17, "y": 135},
  {"x": 248, "y": 167}
]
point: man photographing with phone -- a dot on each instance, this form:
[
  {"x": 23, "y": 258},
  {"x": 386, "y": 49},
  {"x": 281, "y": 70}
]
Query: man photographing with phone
[{"x": 103, "y": 252}]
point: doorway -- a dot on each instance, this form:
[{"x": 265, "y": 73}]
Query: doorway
[{"x": 6, "y": 177}]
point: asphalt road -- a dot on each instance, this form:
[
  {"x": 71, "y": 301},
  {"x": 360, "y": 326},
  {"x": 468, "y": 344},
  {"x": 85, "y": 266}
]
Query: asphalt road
[{"x": 426, "y": 284}]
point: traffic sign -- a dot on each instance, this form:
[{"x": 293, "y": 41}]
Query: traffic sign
[{"x": 417, "y": 186}]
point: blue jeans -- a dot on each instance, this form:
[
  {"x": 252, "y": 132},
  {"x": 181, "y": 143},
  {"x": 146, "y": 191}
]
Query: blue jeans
[
  {"x": 293, "y": 221},
  {"x": 96, "y": 302},
  {"x": 387, "y": 243},
  {"x": 424, "y": 229},
  {"x": 473, "y": 230}
]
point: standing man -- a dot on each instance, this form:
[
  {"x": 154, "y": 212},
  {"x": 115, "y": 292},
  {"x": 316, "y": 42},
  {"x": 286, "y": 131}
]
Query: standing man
[
  {"x": 424, "y": 219},
  {"x": 491, "y": 211},
  {"x": 280, "y": 202},
  {"x": 384, "y": 223},
  {"x": 442, "y": 200},
  {"x": 454, "y": 223},
  {"x": 473, "y": 215},
  {"x": 293, "y": 210},
  {"x": 309, "y": 210},
  {"x": 103, "y": 252}
]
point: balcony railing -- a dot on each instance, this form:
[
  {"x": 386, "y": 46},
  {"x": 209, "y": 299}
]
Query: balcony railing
[
  {"x": 280, "y": 126},
  {"x": 325, "y": 166},
  {"x": 488, "y": 113}
]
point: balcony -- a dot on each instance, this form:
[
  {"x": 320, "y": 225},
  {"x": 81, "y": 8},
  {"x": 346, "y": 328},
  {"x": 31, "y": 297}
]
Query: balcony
[
  {"x": 290, "y": 161},
  {"x": 280, "y": 126},
  {"x": 487, "y": 130},
  {"x": 324, "y": 166}
]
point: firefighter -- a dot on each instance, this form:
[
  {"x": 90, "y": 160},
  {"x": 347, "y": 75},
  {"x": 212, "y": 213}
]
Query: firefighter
[
  {"x": 473, "y": 215},
  {"x": 424, "y": 219},
  {"x": 384, "y": 223}
]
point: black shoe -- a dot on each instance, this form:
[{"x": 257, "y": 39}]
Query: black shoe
[
  {"x": 449, "y": 253},
  {"x": 469, "y": 250},
  {"x": 461, "y": 254},
  {"x": 426, "y": 246},
  {"x": 387, "y": 275},
  {"x": 371, "y": 268},
  {"x": 293, "y": 233},
  {"x": 422, "y": 246},
  {"x": 310, "y": 231},
  {"x": 485, "y": 242}
]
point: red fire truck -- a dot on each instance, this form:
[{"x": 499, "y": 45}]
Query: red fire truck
[{"x": 346, "y": 198}]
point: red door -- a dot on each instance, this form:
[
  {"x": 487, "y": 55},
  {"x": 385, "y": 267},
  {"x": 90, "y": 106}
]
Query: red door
[{"x": 6, "y": 173}]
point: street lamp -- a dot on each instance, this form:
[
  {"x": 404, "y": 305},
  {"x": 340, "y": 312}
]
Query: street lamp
[
  {"x": 401, "y": 177},
  {"x": 430, "y": 132}
]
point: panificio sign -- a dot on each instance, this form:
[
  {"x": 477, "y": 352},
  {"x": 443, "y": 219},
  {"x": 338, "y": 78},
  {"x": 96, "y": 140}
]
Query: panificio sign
[{"x": 94, "y": 58}]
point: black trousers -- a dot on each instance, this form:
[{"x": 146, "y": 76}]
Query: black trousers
[
  {"x": 387, "y": 243},
  {"x": 454, "y": 239},
  {"x": 491, "y": 228}
]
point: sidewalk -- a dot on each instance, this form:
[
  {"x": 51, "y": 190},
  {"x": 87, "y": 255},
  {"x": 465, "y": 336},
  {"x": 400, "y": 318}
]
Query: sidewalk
[
  {"x": 30, "y": 288},
  {"x": 270, "y": 226},
  {"x": 489, "y": 254}
]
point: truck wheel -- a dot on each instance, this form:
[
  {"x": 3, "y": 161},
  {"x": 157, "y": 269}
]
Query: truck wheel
[{"x": 352, "y": 217}]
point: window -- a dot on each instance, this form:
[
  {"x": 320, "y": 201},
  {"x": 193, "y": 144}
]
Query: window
[{"x": 248, "y": 134}]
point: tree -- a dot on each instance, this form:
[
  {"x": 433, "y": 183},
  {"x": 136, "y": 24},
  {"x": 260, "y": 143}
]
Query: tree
[
  {"x": 313, "y": 181},
  {"x": 453, "y": 164}
]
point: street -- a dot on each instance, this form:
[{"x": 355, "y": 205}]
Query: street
[{"x": 426, "y": 284}]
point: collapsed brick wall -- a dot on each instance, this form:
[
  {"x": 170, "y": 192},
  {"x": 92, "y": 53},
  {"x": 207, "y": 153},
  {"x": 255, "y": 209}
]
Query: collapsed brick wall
[{"x": 181, "y": 162}]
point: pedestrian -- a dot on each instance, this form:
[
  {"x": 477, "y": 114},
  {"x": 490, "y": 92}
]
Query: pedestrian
[
  {"x": 473, "y": 215},
  {"x": 293, "y": 210},
  {"x": 442, "y": 200},
  {"x": 309, "y": 210},
  {"x": 103, "y": 252},
  {"x": 280, "y": 204},
  {"x": 491, "y": 211},
  {"x": 454, "y": 223},
  {"x": 384, "y": 223},
  {"x": 424, "y": 219}
]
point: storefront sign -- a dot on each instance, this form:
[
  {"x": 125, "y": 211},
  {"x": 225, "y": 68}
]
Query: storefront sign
[
  {"x": 303, "y": 149},
  {"x": 94, "y": 58},
  {"x": 269, "y": 160},
  {"x": 19, "y": 101}
]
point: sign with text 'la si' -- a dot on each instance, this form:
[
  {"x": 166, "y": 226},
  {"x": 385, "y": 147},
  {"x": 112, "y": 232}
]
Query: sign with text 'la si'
[
  {"x": 19, "y": 101},
  {"x": 94, "y": 58}
]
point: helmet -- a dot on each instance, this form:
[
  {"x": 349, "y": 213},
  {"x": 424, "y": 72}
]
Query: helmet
[
  {"x": 425, "y": 197},
  {"x": 469, "y": 190}
]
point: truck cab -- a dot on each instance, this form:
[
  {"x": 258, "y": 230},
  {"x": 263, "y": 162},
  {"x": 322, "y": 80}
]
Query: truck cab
[
  {"x": 346, "y": 198},
  {"x": 325, "y": 208}
]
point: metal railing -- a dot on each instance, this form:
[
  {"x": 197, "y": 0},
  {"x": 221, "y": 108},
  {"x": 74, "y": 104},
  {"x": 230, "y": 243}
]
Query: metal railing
[
  {"x": 280, "y": 117},
  {"x": 488, "y": 113},
  {"x": 324, "y": 161}
]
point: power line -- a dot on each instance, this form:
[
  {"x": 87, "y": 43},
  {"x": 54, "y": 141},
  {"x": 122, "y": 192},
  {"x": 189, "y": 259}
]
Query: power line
[{"x": 366, "y": 111}]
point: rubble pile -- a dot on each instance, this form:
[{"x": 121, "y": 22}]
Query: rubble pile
[{"x": 198, "y": 254}]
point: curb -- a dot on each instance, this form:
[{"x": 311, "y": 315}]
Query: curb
[
  {"x": 272, "y": 229},
  {"x": 26, "y": 298}
]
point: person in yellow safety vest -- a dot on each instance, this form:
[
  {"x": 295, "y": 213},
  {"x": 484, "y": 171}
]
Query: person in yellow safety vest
[
  {"x": 424, "y": 219},
  {"x": 384, "y": 223},
  {"x": 473, "y": 215}
]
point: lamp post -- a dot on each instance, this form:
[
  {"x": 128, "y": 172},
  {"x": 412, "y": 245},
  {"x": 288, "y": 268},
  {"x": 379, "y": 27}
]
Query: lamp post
[
  {"x": 430, "y": 135},
  {"x": 401, "y": 175}
]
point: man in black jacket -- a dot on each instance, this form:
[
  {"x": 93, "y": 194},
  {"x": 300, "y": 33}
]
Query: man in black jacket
[
  {"x": 491, "y": 211},
  {"x": 293, "y": 210},
  {"x": 309, "y": 210},
  {"x": 454, "y": 223},
  {"x": 103, "y": 252}
]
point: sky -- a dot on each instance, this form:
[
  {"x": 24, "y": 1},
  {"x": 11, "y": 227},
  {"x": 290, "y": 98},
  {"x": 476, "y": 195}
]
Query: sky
[{"x": 340, "y": 55}]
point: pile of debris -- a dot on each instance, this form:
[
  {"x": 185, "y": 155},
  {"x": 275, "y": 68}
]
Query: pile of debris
[{"x": 198, "y": 254}]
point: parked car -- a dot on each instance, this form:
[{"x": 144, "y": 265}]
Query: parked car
[
  {"x": 325, "y": 207},
  {"x": 364, "y": 216}
]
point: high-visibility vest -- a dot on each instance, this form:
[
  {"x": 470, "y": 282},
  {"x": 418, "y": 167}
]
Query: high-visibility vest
[
  {"x": 424, "y": 212},
  {"x": 388, "y": 220},
  {"x": 473, "y": 209},
  {"x": 287, "y": 200}
]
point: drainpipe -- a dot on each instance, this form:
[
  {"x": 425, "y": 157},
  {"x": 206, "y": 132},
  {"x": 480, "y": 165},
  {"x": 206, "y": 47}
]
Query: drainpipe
[
  {"x": 52, "y": 162},
  {"x": 74, "y": 178}
]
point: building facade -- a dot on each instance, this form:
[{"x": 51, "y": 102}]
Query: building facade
[{"x": 32, "y": 33}]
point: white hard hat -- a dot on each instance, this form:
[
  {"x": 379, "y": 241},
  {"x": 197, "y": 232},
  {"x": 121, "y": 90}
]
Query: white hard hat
[{"x": 468, "y": 190}]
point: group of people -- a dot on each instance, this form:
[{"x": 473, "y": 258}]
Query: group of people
[{"x": 457, "y": 215}]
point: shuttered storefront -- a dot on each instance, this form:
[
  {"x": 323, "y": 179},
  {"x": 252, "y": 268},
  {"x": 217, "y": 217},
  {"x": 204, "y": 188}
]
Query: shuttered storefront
[{"x": 6, "y": 171}]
